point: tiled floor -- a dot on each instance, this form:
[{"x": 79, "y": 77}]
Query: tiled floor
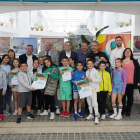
[{"x": 62, "y": 128}]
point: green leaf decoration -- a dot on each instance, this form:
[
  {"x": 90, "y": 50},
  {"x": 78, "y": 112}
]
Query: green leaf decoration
[
  {"x": 12, "y": 76},
  {"x": 83, "y": 38},
  {"x": 86, "y": 81},
  {"x": 35, "y": 79},
  {"x": 79, "y": 88}
]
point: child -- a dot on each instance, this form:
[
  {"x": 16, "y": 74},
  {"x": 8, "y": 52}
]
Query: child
[
  {"x": 15, "y": 68},
  {"x": 3, "y": 87},
  {"x": 41, "y": 63},
  {"x": 77, "y": 76},
  {"x": 85, "y": 68},
  {"x": 51, "y": 85},
  {"x": 7, "y": 99},
  {"x": 65, "y": 88},
  {"x": 25, "y": 91},
  {"x": 36, "y": 93},
  {"x": 118, "y": 85},
  {"x": 93, "y": 77},
  {"x": 105, "y": 89},
  {"x": 72, "y": 63}
]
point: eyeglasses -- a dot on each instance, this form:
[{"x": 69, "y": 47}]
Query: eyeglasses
[
  {"x": 29, "y": 49},
  {"x": 11, "y": 53}
]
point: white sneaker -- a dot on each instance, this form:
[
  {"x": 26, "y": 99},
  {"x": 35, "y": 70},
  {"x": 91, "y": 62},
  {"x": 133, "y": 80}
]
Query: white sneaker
[
  {"x": 113, "y": 116},
  {"x": 90, "y": 116},
  {"x": 118, "y": 117},
  {"x": 57, "y": 111},
  {"x": 103, "y": 117},
  {"x": 15, "y": 112},
  {"x": 52, "y": 116},
  {"x": 96, "y": 120},
  {"x": 99, "y": 115},
  {"x": 44, "y": 113}
]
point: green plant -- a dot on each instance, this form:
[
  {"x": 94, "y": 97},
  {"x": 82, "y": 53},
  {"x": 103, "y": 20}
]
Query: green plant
[
  {"x": 11, "y": 19},
  {"x": 41, "y": 27},
  {"x": 121, "y": 23},
  {"x": 36, "y": 25},
  {"x": 130, "y": 20}
]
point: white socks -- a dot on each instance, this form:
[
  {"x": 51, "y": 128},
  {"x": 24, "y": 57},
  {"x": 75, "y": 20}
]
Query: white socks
[
  {"x": 120, "y": 110},
  {"x": 114, "y": 109}
]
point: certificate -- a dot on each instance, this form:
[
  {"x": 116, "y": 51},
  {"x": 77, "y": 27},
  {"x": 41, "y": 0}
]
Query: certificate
[
  {"x": 40, "y": 81},
  {"x": 14, "y": 79},
  {"x": 66, "y": 74},
  {"x": 84, "y": 88}
]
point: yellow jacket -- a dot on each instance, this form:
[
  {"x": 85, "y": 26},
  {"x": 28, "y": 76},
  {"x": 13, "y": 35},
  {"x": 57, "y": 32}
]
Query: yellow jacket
[{"x": 105, "y": 84}]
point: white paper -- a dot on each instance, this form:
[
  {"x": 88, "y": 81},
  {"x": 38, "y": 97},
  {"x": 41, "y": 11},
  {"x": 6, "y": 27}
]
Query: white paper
[
  {"x": 66, "y": 76},
  {"x": 85, "y": 92},
  {"x": 14, "y": 81},
  {"x": 39, "y": 84}
]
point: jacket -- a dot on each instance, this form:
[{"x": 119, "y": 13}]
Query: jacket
[
  {"x": 105, "y": 84},
  {"x": 96, "y": 79},
  {"x": 23, "y": 58},
  {"x": 25, "y": 81},
  {"x": 3, "y": 80},
  {"x": 73, "y": 54},
  {"x": 77, "y": 76}
]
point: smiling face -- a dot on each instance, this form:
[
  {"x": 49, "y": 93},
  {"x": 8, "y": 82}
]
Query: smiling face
[
  {"x": 47, "y": 63},
  {"x": 41, "y": 60},
  {"x": 67, "y": 46},
  {"x": 90, "y": 64},
  {"x": 24, "y": 67},
  {"x": 29, "y": 50},
  {"x": 65, "y": 62},
  {"x": 5, "y": 59},
  {"x": 79, "y": 66},
  {"x": 127, "y": 53},
  {"x": 118, "y": 63},
  {"x": 35, "y": 64},
  {"x": 48, "y": 46},
  {"x": 94, "y": 47},
  {"x": 16, "y": 63},
  {"x": 102, "y": 67},
  {"x": 84, "y": 47},
  {"x": 118, "y": 42},
  {"x": 11, "y": 55}
]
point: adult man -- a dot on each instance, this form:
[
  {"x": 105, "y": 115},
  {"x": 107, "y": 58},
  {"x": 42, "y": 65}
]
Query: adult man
[
  {"x": 28, "y": 57},
  {"x": 83, "y": 53},
  {"x": 67, "y": 52},
  {"x": 48, "y": 51},
  {"x": 96, "y": 54},
  {"x": 117, "y": 52}
]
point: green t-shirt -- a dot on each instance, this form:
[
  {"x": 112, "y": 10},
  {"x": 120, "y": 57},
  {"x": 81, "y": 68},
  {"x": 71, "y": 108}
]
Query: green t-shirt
[
  {"x": 64, "y": 83},
  {"x": 74, "y": 68}
]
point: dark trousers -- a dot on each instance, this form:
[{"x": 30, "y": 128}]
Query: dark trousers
[
  {"x": 1, "y": 102},
  {"x": 36, "y": 94},
  {"x": 129, "y": 93},
  {"x": 101, "y": 98},
  {"x": 49, "y": 100}
]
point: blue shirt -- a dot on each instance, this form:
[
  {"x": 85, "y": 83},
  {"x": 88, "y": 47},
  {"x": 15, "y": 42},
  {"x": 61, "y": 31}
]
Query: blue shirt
[
  {"x": 6, "y": 68},
  {"x": 82, "y": 57},
  {"x": 40, "y": 67}
]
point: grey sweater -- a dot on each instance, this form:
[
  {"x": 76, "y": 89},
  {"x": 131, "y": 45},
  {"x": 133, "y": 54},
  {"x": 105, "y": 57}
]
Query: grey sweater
[
  {"x": 25, "y": 81},
  {"x": 3, "y": 80}
]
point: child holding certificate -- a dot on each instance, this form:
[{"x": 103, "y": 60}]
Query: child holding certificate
[
  {"x": 65, "y": 86},
  {"x": 78, "y": 75},
  {"x": 14, "y": 83},
  {"x": 94, "y": 78}
]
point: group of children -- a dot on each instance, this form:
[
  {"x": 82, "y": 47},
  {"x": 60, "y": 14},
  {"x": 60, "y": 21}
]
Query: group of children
[{"x": 25, "y": 95}]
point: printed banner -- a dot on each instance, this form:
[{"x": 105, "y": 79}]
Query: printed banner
[
  {"x": 40, "y": 81},
  {"x": 136, "y": 44},
  {"x": 84, "y": 88},
  {"x": 14, "y": 79}
]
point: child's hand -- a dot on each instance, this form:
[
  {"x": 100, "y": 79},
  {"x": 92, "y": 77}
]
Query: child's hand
[
  {"x": 71, "y": 73},
  {"x": 33, "y": 89},
  {"x": 89, "y": 79},
  {"x": 109, "y": 93},
  {"x": 86, "y": 78},
  {"x": 138, "y": 84},
  {"x": 9, "y": 72},
  {"x": 75, "y": 82},
  {"x": 12, "y": 86},
  {"x": 48, "y": 73},
  {"x": 122, "y": 93},
  {"x": 3, "y": 93}
]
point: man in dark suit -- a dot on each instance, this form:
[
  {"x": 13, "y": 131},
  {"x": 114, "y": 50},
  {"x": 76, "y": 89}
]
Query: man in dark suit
[
  {"x": 67, "y": 52},
  {"x": 28, "y": 57}
]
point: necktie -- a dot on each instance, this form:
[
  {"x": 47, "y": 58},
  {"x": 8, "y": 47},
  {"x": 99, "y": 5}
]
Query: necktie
[{"x": 47, "y": 53}]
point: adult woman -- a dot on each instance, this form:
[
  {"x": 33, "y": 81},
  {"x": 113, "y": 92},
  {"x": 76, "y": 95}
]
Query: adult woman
[
  {"x": 131, "y": 66},
  {"x": 11, "y": 55}
]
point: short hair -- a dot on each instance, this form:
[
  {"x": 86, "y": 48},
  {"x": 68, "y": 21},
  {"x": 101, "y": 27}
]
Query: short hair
[
  {"x": 85, "y": 42},
  {"x": 23, "y": 63},
  {"x": 95, "y": 42},
  {"x": 118, "y": 37},
  {"x": 68, "y": 42},
  {"x": 49, "y": 42},
  {"x": 120, "y": 59},
  {"x": 47, "y": 56},
  {"x": 30, "y": 45},
  {"x": 41, "y": 57},
  {"x": 102, "y": 62},
  {"x": 35, "y": 60},
  {"x": 73, "y": 59},
  {"x": 79, "y": 62},
  {"x": 5, "y": 56},
  {"x": 64, "y": 57},
  {"x": 91, "y": 61},
  {"x": 104, "y": 57}
]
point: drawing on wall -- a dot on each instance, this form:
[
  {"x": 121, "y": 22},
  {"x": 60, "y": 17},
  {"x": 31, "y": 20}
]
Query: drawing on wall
[{"x": 4, "y": 44}]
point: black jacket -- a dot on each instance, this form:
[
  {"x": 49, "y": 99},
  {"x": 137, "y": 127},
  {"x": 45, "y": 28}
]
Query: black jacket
[
  {"x": 23, "y": 58},
  {"x": 73, "y": 54}
]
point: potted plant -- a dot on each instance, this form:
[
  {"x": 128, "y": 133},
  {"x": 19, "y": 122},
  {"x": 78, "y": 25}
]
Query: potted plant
[
  {"x": 127, "y": 24},
  {"x": 11, "y": 21},
  {"x": 32, "y": 28},
  {"x": 36, "y": 26},
  {"x": 96, "y": 28},
  {"x": 41, "y": 27},
  {"x": 130, "y": 21},
  {"x": 1, "y": 24},
  {"x": 121, "y": 24}
]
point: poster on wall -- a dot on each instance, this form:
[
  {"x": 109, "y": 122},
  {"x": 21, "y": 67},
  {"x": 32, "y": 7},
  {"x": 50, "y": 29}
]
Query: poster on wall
[
  {"x": 107, "y": 42},
  {"x": 136, "y": 44},
  {"x": 20, "y": 45},
  {"x": 57, "y": 43},
  {"x": 4, "y": 44}
]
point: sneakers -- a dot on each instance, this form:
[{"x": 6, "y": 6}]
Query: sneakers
[
  {"x": 103, "y": 117},
  {"x": 6, "y": 113},
  {"x": 38, "y": 112},
  {"x": 30, "y": 116},
  {"x": 44, "y": 113},
  {"x": 18, "y": 120},
  {"x": 113, "y": 116},
  {"x": 80, "y": 114},
  {"x": 63, "y": 113},
  {"x": 99, "y": 115},
  {"x": 15, "y": 112},
  {"x": 1, "y": 117},
  {"x": 52, "y": 116},
  {"x": 75, "y": 116},
  {"x": 67, "y": 114},
  {"x": 90, "y": 116},
  {"x": 57, "y": 111},
  {"x": 118, "y": 117},
  {"x": 96, "y": 120}
]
